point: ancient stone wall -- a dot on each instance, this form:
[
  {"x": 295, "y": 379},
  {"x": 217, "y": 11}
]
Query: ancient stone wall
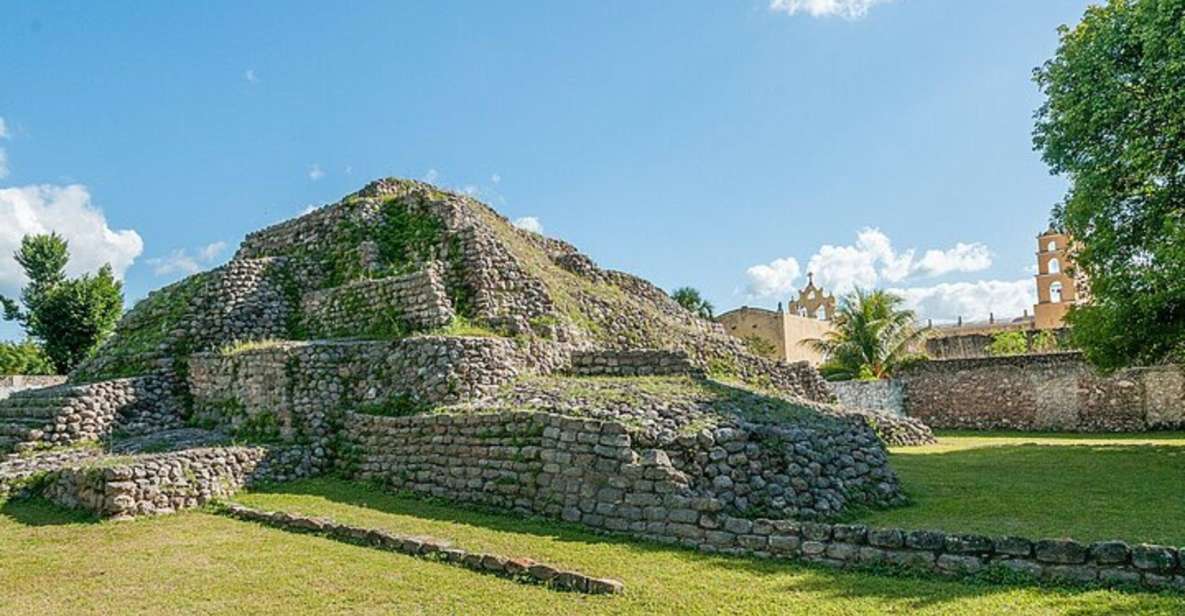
[
  {"x": 1043, "y": 392},
  {"x": 246, "y": 299},
  {"x": 161, "y": 483},
  {"x": 885, "y": 395},
  {"x": 68, "y": 414},
  {"x": 380, "y": 308},
  {"x": 597, "y": 472},
  {"x": 592, "y": 473},
  {"x": 643, "y": 362},
  {"x": 19, "y": 382},
  {"x": 297, "y": 392}
]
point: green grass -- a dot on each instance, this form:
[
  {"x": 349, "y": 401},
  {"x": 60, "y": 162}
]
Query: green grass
[
  {"x": 1088, "y": 487},
  {"x": 57, "y": 562}
]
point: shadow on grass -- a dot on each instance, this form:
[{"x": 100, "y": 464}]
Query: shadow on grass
[
  {"x": 914, "y": 590},
  {"x": 37, "y": 511}
]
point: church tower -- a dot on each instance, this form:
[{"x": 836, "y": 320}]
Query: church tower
[{"x": 1057, "y": 289}]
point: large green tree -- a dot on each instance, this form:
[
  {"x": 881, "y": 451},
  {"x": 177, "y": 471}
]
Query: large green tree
[
  {"x": 873, "y": 337},
  {"x": 1113, "y": 124},
  {"x": 691, "y": 299},
  {"x": 69, "y": 317}
]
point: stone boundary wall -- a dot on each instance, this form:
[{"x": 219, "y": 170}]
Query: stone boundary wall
[
  {"x": 68, "y": 414},
  {"x": 647, "y": 362},
  {"x": 599, "y": 474},
  {"x": 19, "y": 382},
  {"x": 523, "y": 570},
  {"x": 886, "y": 396},
  {"x": 157, "y": 484},
  {"x": 1043, "y": 392},
  {"x": 588, "y": 472},
  {"x": 416, "y": 301}
]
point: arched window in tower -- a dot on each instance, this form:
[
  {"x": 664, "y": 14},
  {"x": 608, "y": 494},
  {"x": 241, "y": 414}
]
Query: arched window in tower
[
  {"x": 1055, "y": 293},
  {"x": 821, "y": 313},
  {"x": 1054, "y": 266},
  {"x": 1051, "y": 246},
  {"x": 802, "y": 311}
]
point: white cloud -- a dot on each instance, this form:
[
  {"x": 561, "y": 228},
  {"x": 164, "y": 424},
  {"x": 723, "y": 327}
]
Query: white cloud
[
  {"x": 68, "y": 211},
  {"x": 4, "y": 134},
  {"x": 529, "y": 223},
  {"x": 973, "y": 301},
  {"x": 773, "y": 279},
  {"x": 495, "y": 178},
  {"x": 4, "y": 171},
  {"x": 431, "y": 176},
  {"x": 315, "y": 172},
  {"x": 470, "y": 190},
  {"x": 847, "y": 9},
  {"x": 962, "y": 258},
  {"x": 250, "y": 75},
  {"x": 181, "y": 262},
  {"x": 872, "y": 259}
]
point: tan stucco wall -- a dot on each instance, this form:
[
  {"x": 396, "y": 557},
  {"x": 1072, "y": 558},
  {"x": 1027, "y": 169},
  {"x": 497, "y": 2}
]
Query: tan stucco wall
[
  {"x": 784, "y": 331},
  {"x": 765, "y": 324},
  {"x": 801, "y": 328}
]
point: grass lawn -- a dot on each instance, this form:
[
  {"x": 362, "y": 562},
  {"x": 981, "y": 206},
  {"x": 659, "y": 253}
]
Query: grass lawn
[
  {"x": 56, "y": 562},
  {"x": 1088, "y": 487}
]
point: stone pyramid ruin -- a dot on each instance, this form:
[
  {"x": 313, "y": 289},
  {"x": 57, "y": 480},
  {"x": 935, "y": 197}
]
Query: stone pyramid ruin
[{"x": 414, "y": 337}]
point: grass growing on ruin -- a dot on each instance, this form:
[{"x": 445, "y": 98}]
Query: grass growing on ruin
[
  {"x": 1088, "y": 487},
  {"x": 57, "y": 562}
]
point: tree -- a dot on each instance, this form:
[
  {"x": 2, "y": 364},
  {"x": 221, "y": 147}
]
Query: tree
[
  {"x": 691, "y": 299},
  {"x": 24, "y": 358},
  {"x": 1113, "y": 124},
  {"x": 1008, "y": 343},
  {"x": 70, "y": 317},
  {"x": 873, "y": 338}
]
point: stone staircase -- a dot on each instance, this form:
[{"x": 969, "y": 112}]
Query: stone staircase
[
  {"x": 68, "y": 414},
  {"x": 28, "y": 417}
]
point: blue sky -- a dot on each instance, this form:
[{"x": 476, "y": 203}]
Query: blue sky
[{"x": 731, "y": 146}]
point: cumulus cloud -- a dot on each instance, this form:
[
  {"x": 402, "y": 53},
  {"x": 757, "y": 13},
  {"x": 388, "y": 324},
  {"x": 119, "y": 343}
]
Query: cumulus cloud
[
  {"x": 68, "y": 211},
  {"x": 873, "y": 259},
  {"x": 973, "y": 301},
  {"x": 315, "y": 172},
  {"x": 773, "y": 279},
  {"x": 181, "y": 262},
  {"x": 847, "y": 9},
  {"x": 529, "y": 223},
  {"x": 495, "y": 178},
  {"x": 870, "y": 262},
  {"x": 962, "y": 258}
]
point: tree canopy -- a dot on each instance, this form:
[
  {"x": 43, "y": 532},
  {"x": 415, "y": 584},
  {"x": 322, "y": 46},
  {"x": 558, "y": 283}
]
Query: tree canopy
[
  {"x": 1113, "y": 124},
  {"x": 691, "y": 299},
  {"x": 873, "y": 337},
  {"x": 69, "y": 317}
]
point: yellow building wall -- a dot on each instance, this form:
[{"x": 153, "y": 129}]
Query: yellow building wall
[{"x": 784, "y": 331}]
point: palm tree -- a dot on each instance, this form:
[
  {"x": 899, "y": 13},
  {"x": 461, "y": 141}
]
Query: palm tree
[
  {"x": 872, "y": 339},
  {"x": 690, "y": 299}
]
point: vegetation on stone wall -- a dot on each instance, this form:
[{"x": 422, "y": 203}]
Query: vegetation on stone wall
[
  {"x": 24, "y": 358},
  {"x": 873, "y": 338},
  {"x": 1112, "y": 125},
  {"x": 761, "y": 347},
  {"x": 69, "y": 316}
]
